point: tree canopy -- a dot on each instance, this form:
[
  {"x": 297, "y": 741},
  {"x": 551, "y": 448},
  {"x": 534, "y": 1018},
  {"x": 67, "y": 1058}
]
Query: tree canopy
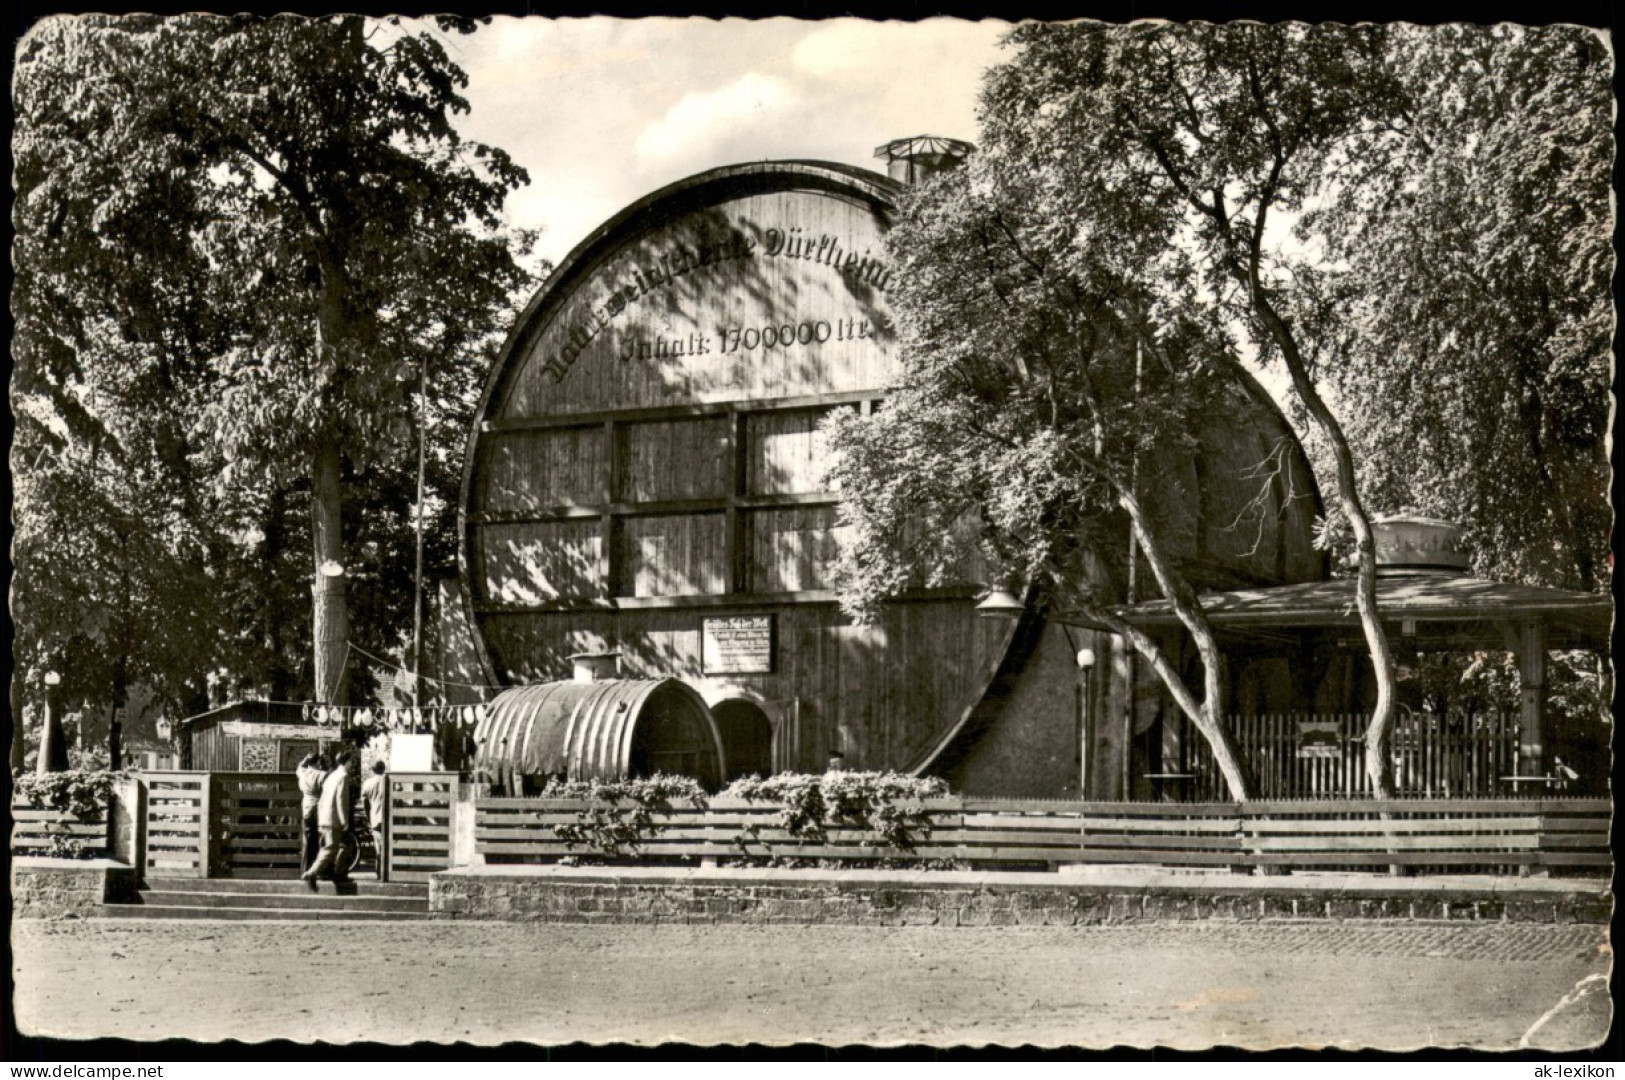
[
  {"x": 1187, "y": 195},
  {"x": 237, "y": 241},
  {"x": 1472, "y": 342}
]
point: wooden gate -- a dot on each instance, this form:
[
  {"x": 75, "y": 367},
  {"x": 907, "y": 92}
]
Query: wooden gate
[
  {"x": 177, "y": 825},
  {"x": 418, "y": 825},
  {"x": 256, "y": 825}
]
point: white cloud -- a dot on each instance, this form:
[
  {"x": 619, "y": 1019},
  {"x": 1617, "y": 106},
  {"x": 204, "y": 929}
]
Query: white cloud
[
  {"x": 701, "y": 118},
  {"x": 845, "y": 48},
  {"x": 876, "y": 54},
  {"x": 603, "y": 111}
]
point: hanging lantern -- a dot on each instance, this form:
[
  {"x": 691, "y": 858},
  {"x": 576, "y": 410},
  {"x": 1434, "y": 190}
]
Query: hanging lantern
[{"x": 1000, "y": 604}]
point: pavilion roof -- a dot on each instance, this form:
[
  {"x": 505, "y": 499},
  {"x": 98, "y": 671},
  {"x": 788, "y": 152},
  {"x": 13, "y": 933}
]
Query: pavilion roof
[{"x": 1445, "y": 607}]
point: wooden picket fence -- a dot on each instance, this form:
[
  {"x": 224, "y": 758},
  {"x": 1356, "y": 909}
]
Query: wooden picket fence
[
  {"x": 418, "y": 824},
  {"x": 177, "y": 824},
  {"x": 37, "y": 831},
  {"x": 256, "y": 825},
  {"x": 1454, "y": 755},
  {"x": 250, "y": 825},
  {"x": 1439, "y": 835},
  {"x": 1454, "y": 835}
]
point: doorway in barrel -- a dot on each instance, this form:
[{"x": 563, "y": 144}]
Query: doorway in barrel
[{"x": 747, "y": 738}]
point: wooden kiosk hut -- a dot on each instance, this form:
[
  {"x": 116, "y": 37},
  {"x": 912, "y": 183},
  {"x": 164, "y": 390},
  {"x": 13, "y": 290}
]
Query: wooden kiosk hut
[
  {"x": 252, "y": 736},
  {"x": 645, "y": 474}
]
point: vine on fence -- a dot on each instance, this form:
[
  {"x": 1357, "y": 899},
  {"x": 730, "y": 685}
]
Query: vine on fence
[
  {"x": 619, "y": 817},
  {"x": 83, "y": 794},
  {"x": 888, "y": 805}
]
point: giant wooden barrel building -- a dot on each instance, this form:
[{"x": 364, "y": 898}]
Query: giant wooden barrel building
[{"x": 645, "y": 474}]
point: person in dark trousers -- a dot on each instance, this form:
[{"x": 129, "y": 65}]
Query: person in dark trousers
[
  {"x": 333, "y": 819},
  {"x": 311, "y": 772}
]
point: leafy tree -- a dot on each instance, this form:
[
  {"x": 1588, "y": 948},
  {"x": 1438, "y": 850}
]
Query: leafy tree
[
  {"x": 238, "y": 239},
  {"x": 1474, "y": 317},
  {"x": 114, "y": 533},
  {"x": 1162, "y": 164},
  {"x": 1044, "y": 390},
  {"x": 1473, "y": 357}
]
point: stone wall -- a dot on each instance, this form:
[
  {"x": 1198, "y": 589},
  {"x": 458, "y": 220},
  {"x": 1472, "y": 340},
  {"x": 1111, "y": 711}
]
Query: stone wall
[
  {"x": 906, "y": 901},
  {"x": 44, "y": 888}
]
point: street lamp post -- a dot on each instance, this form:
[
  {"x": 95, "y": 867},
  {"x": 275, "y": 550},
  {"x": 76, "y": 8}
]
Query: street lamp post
[
  {"x": 1086, "y": 718},
  {"x": 115, "y": 739},
  {"x": 53, "y": 748}
]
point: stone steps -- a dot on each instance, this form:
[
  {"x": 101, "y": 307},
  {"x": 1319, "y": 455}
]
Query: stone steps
[
  {"x": 254, "y": 914},
  {"x": 272, "y": 899},
  {"x": 285, "y": 886},
  {"x": 301, "y": 899}
]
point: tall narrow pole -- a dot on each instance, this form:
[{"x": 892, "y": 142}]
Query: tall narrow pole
[
  {"x": 417, "y": 584},
  {"x": 1133, "y": 598}
]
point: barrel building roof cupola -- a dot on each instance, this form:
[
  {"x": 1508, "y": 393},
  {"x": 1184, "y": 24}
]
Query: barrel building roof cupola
[{"x": 911, "y": 160}]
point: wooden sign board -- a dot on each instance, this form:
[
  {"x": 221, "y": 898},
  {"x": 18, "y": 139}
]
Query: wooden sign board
[
  {"x": 411, "y": 753},
  {"x": 261, "y": 730},
  {"x": 738, "y": 644},
  {"x": 1319, "y": 739}
]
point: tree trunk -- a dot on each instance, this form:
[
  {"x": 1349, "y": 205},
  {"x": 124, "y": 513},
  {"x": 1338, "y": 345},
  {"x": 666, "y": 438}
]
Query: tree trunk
[
  {"x": 19, "y": 734},
  {"x": 280, "y": 678},
  {"x": 1378, "y": 735},
  {"x": 330, "y": 611},
  {"x": 1207, "y": 715},
  {"x": 1207, "y": 721},
  {"x": 329, "y": 608},
  {"x": 121, "y": 665},
  {"x": 115, "y": 718}
]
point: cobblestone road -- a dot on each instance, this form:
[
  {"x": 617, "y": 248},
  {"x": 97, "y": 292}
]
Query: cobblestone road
[
  {"x": 1252, "y": 985},
  {"x": 1470, "y": 941}
]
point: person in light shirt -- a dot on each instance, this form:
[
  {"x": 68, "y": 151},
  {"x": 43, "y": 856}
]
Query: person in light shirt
[
  {"x": 333, "y": 820},
  {"x": 311, "y": 771}
]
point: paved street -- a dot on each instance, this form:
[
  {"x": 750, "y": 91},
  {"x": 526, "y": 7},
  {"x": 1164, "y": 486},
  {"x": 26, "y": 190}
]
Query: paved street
[{"x": 1389, "y": 985}]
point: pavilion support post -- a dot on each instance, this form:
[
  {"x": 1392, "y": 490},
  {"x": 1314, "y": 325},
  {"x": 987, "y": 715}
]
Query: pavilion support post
[{"x": 1532, "y": 714}]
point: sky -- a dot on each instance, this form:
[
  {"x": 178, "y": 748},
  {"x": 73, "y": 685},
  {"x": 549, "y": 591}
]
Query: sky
[{"x": 603, "y": 111}]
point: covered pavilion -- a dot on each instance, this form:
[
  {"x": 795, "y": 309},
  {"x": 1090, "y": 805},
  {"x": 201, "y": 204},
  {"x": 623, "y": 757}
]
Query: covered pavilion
[{"x": 1427, "y": 604}]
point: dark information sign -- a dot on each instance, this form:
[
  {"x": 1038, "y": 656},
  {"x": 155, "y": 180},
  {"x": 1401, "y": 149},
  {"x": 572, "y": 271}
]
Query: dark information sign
[
  {"x": 1319, "y": 739},
  {"x": 737, "y": 644}
]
